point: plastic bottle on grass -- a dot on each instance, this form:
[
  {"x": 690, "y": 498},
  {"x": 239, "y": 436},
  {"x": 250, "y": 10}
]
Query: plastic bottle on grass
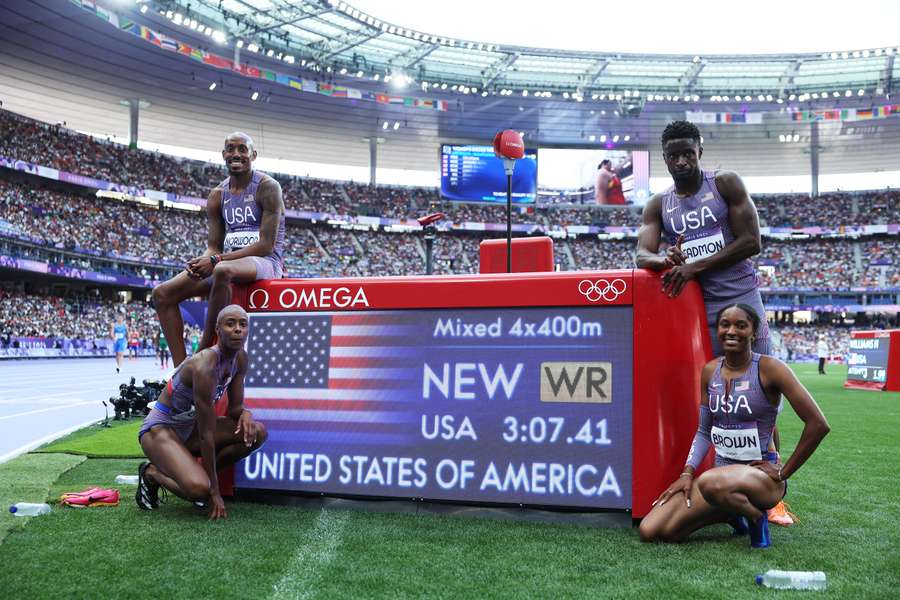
[
  {"x": 792, "y": 580},
  {"x": 27, "y": 509},
  {"x": 127, "y": 479}
]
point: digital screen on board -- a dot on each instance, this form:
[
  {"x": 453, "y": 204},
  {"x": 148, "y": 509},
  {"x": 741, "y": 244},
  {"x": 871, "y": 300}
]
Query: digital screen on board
[
  {"x": 868, "y": 359},
  {"x": 474, "y": 173},
  {"x": 513, "y": 405},
  {"x": 573, "y": 175}
]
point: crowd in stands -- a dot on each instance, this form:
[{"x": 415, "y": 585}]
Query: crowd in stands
[
  {"x": 799, "y": 342},
  {"x": 47, "y": 316}
]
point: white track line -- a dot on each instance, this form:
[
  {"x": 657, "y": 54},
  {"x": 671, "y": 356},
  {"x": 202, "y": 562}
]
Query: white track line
[
  {"x": 47, "y": 438},
  {"x": 40, "y": 410},
  {"x": 312, "y": 557}
]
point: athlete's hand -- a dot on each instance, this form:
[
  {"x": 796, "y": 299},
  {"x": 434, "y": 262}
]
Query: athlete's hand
[
  {"x": 216, "y": 507},
  {"x": 674, "y": 255},
  {"x": 676, "y": 278},
  {"x": 249, "y": 427},
  {"x": 201, "y": 267},
  {"x": 682, "y": 485},
  {"x": 770, "y": 469}
]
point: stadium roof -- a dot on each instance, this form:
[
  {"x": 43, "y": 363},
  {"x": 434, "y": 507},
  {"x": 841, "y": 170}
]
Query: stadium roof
[{"x": 334, "y": 37}]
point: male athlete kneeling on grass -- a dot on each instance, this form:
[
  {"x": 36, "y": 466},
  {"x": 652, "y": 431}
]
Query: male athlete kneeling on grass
[
  {"x": 739, "y": 398},
  {"x": 184, "y": 425}
]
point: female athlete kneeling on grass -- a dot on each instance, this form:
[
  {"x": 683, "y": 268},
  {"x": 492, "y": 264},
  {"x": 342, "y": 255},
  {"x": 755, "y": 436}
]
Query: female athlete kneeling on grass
[
  {"x": 739, "y": 399},
  {"x": 184, "y": 425}
]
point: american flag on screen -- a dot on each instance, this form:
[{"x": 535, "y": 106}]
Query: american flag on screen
[{"x": 342, "y": 378}]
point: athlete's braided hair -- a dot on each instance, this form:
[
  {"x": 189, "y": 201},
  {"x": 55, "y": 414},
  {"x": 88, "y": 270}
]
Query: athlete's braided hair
[{"x": 679, "y": 130}]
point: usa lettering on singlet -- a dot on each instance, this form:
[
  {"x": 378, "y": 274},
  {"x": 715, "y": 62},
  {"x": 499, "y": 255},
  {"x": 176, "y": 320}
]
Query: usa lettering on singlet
[
  {"x": 243, "y": 216},
  {"x": 703, "y": 221}
]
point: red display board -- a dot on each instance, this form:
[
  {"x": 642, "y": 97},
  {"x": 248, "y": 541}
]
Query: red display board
[
  {"x": 873, "y": 362},
  {"x": 537, "y": 444}
]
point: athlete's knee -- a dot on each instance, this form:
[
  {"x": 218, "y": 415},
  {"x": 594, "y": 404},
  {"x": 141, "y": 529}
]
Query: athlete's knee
[
  {"x": 712, "y": 486},
  {"x": 222, "y": 274},
  {"x": 648, "y": 531},
  {"x": 160, "y": 295},
  {"x": 195, "y": 488}
]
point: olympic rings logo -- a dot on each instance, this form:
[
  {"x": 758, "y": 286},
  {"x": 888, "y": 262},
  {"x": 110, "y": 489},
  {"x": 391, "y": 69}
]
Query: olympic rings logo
[{"x": 602, "y": 289}]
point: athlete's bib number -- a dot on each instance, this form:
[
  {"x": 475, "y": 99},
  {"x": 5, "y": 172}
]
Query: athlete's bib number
[
  {"x": 737, "y": 444},
  {"x": 703, "y": 247},
  {"x": 240, "y": 239}
]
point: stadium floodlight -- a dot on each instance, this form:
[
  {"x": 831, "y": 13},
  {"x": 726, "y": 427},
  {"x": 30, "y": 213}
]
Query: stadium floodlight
[
  {"x": 396, "y": 125},
  {"x": 865, "y": 54},
  {"x": 454, "y": 87},
  {"x": 212, "y": 86},
  {"x": 796, "y": 137},
  {"x": 177, "y": 19},
  {"x": 566, "y": 95},
  {"x": 399, "y": 80},
  {"x": 725, "y": 98},
  {"x": 143, "y": 9},
  {"x": 525, "y": 93},
  {"x": 252, "y": 47},
  {"x": 760, "y": 97},
  {"x": 781, "y": 137},
  {"x": 254, "y": 95},
  {"x": 878, "y": 51},
  {"x": 594, "y": 96},
  {"x": 603, "y": 138},
  {"x": 815, "y": 95},
  {"x": 208, "y": 31},
  {"x": 270, "y": 53},
  {"x": 861, "y": 92},
  {"x": 834, "y": 55},
  {"x": 240, "y": 43},
  {"x": 170, "y": 15},
  {"x": 696, "y": 59},
  {"x": 474, "y": 90},
  {"x": 384, "y": 125},
  {"x": 592, "y": 138},
  {"x": 792, "y": 97},
  {"x": 845, "y": 55},
  {"x": 627, "y": 138},
  {"x": 443, "y": 86},
  {"x": 343, "y": 70},
  {"x": 836, "y": 94},
  {"x": 484, "y": 94},
  {"x": 615, "y": 139},
  {"x": 769, "y": 97},
  {"x": 376, "y": 76},
  {"x": 218, "y": 36},
  {"x": 856, "y": 54},
  {"x": 848, "y": 93},
  {"x": 779, "y": 101}
]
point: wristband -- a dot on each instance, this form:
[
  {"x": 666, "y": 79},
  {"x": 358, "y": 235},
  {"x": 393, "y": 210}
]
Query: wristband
[
  {"x": 780, "y": 478},
  {"x": 214, "y": 259},
  {"x": 688, "y": 473}
]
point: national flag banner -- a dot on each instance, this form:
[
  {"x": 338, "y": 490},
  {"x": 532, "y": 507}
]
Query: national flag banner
[
  {"x": 339, "y": 91},
  {"x": 268, "y": 75},
  {"x": 354, "y": 93},
  {"x": 396, "y": 100},
  {"x": 282, "y": 79},
  {"x": 309, "y": 85},
  {"x": 217, "y": 61},
  {"x": 184, "y": 48},
  {"x": 295, "y": 83},
  {"x": 150, "y": 35},
  {"x": 323, "y": 377},
  {"x": 325, "y": 89},
  {"x": 168, "y": 43},
  {"x": 381, "y": 98},
  {"x": 130, "y": 26}
]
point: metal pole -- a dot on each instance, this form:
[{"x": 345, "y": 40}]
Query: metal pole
[
  {"x": 509, "y": 222},
  {"x": 134, "y": 107},
  {"x": 814, "y": 157}
]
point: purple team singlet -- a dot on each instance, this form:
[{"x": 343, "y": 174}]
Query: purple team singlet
[
  {"x": 703, "y": 219},
  {"x": 243, "y": 216},
  {"x": 737, "y": 421}
]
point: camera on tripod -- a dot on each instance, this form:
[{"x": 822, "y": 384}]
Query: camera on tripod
[{"x": 133, "y": 399}]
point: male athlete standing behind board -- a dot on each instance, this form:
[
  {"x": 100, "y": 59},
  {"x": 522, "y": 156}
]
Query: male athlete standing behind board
[{"x": 712, "y": 228}]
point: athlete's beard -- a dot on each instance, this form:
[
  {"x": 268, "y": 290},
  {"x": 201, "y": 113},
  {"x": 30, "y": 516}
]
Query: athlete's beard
[{"x": 687, "y": 178}]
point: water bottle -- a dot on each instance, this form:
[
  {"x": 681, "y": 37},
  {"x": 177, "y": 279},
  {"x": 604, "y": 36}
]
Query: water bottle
[
  {"x": 127, "y": 479},
  {"x": 27, "y": 509},
  {"x": 792, "y": 580}
]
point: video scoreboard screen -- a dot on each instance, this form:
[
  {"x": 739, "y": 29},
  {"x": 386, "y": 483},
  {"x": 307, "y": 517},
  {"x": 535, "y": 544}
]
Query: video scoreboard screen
[
  {"x": 486, "y": 405},
  {"x": 868, "y": 359},
  {"x": 473, "y": 173}
]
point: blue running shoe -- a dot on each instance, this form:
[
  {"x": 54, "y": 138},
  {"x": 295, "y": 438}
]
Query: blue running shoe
[
  {"x": 759, "y": 533},
  {"x": 739, "y": 525}
]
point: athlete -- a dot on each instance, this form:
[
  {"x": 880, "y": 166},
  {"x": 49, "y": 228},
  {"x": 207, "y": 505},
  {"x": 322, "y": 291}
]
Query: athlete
[
  {"x": 739, "y": 398},
  {"x": 245, "y": 242},
  {"x": 608, "y": 187},
  {"x": 162, "y": 346},
  {"x": 183, "y": 424},
  {"x": 134, "y": 342},
  {"x": 712, "y": 228},
  {"x": 119, "y": 335}
]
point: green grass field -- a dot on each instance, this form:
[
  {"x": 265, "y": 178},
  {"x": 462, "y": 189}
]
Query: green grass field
[{"x": 845, "y": 496}]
